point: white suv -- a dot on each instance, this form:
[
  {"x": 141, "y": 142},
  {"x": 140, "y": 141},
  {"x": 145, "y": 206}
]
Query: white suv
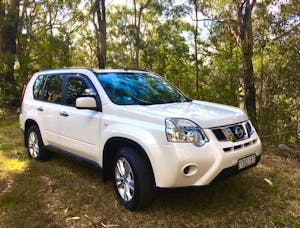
[{"x": 141, "y": 130}]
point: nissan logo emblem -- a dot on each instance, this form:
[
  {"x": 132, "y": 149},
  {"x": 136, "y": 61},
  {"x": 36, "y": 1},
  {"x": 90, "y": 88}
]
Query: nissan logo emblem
[{"x": 239, "y": 132}]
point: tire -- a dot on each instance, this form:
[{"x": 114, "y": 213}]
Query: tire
[
  {"x": 35, "y": 145},
  {"x": 133, "y": 179}
]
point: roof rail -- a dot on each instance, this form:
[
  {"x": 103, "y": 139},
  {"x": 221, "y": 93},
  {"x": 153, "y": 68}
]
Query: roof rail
[
  {"x": 62, "y": 68},
  {"x": 136, "y": 69}
]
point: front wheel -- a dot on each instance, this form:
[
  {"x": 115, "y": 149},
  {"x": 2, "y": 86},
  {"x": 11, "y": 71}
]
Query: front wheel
[{"x": 133, "y": 179}]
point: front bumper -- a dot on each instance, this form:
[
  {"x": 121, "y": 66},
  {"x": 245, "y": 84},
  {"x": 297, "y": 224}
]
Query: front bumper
[
  {"x": 211, "y": 162},
  {"x": 227, "y": 172}
]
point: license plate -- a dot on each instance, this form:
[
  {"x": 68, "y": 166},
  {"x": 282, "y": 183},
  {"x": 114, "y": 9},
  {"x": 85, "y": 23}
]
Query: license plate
[{"x": 244, "y": 162}]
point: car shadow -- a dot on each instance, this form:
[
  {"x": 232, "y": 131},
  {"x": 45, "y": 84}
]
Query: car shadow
[{"x": 238, "y": 191}]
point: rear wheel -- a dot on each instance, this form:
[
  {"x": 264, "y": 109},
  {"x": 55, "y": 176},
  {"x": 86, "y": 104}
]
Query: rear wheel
[
  {"x": 133, "y": 179},
  {"x": 35, "y": 144}
]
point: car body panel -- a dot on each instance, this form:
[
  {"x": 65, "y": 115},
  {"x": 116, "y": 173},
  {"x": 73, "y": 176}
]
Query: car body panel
[
  {"x": 80, "y": 131},
  {"x": 205, "y": 114},
  {"x": 85, "y": 132}
]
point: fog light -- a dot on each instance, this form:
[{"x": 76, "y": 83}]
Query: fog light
[
  {"x": 186, "y": 170},
  {"x": 190, "y": 169}
]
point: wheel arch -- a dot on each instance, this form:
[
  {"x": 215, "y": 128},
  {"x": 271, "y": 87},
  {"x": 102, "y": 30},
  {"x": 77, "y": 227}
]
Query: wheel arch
[{"x": 110, "y": 149}]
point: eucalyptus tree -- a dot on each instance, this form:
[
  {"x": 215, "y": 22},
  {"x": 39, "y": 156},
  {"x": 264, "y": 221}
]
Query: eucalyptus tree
[
  {"x": 236, "y": 15},
  {"x": 138, "y": 10},
  {"x": 244, "y": 38},
  {"x": 98, "y": 11},
  {"x": 9, "y": 21},
  {"x": 130, "y": 26}
]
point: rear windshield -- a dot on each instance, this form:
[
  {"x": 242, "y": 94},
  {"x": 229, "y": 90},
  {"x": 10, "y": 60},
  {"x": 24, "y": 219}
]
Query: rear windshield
[{"x": 139, "y": 89}]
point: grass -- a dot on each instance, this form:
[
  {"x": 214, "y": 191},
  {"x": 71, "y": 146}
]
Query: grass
[{"x": 67, "y": 192}]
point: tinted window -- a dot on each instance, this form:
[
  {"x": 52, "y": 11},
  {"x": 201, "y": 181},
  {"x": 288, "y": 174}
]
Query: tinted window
[
  {"x": 77, "y": 87},
  {"x": 139, "y": 88},
  {"x": 53, "y": 89},
  {"x": 38, "y": 87}
]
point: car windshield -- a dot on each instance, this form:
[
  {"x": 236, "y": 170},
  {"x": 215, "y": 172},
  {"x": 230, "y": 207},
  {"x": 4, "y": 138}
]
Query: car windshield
[{"x": 139, "y": 89}]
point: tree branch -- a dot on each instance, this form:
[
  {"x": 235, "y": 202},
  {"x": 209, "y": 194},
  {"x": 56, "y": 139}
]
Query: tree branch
[
  {"x": 252, "y": 4},
  {"x": 145, "y": 5},
  {"x": 287, "y": 32},
  {"x": 216, "y": 20}
]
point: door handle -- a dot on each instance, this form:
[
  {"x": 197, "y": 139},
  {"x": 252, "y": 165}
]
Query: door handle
[
  {"x": 40, "y": 109},
  {"x": 64, "y": 114}
]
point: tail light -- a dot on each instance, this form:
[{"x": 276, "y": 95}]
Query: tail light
[{"x": 24, "y": 89}]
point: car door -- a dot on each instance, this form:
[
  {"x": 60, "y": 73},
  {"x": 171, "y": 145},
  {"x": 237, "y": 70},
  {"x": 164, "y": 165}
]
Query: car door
[
  {"x": 49, "y": 107},
  {"x": 79, "y": 128}
]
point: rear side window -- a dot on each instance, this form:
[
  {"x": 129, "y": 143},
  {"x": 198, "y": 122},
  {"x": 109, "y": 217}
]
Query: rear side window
[
  {"x": 38, "y": 87},
  {"x": 53, "y": 89},
  {"x": 77, "y": 87}
]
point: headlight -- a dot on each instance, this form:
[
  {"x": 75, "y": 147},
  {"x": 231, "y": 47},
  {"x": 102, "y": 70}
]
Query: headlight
[{"x": 184, "y": 131}]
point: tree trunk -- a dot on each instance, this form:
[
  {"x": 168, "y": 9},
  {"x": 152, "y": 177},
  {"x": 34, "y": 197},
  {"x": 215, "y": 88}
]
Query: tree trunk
[
  {"x": 137, "y": 25},
  {"x": 196, "y": 46},
  {"x": 9, "y": 17},
  {"x": 249, "y": 87},
  {"x": 244, "y": 37},
  {"x": 99, "y": 21}
]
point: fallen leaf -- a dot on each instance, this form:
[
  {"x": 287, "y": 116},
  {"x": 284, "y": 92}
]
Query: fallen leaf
[
  {"x": 66, "y": 210},
  {"x": 268, "y": 181},
  {"x": 72, "y": 218},
  {"x": 87, "y": 216},
  {"x": 112, "y": 225},
  {"x": 9, "y": 186}
]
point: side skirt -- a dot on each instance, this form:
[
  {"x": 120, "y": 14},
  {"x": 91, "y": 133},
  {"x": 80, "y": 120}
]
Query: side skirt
[{"x": 69, "y": 153}]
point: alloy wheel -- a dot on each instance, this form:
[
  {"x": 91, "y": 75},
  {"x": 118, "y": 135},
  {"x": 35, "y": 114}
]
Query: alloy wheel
[
  {"x": 33, "y": 144},
  {"x": 124, "y": 179}
]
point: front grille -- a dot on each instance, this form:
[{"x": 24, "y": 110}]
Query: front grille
[
  {"x": 219, "y": 134},
  {"x": 235, "y": 132},
  {"x": 238, "y": 147}
]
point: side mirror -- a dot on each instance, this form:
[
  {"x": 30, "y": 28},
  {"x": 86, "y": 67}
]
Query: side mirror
[{"x": 86, "y": 103}]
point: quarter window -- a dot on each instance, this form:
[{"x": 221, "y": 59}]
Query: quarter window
[
  {"x": 77, "y": 87},
  {"x": 38, "y": 87},
  {"x": 53, "y": 89}
]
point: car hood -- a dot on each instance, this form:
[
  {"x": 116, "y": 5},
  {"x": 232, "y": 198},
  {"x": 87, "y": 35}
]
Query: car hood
[{"x": 205, "y": 114}]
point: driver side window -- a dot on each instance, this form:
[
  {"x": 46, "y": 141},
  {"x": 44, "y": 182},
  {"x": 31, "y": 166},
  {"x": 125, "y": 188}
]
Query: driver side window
[{"x": 77, "y": 87}]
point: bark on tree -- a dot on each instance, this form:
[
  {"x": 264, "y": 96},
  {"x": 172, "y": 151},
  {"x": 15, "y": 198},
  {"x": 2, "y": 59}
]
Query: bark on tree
[
  {"x": 244, "y": 38},
  {"x": 9, "y": 18},
  {"x": 137, "y": 26},
  {"x": 196, "y": 46},
  {"x": 99, "y": 21}
]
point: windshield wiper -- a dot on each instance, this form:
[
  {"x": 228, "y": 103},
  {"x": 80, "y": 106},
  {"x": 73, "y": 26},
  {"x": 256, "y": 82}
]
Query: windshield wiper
[
  {"x": 179, "y": 101},
  {"x": 145, "y": 102},
  {"x": 141, "y": 102}
]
